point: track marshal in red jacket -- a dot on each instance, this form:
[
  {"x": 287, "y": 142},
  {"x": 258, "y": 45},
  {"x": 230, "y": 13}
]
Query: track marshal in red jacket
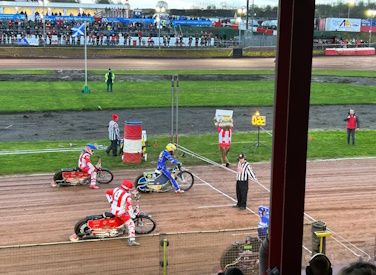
[{"x": 352, "y": 126}]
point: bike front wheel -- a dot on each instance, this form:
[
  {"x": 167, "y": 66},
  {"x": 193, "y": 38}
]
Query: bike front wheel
[
  {"x": 143, "y": 225},
  {"x": 185, "y": 180},
  {"x": 104, "y": 176}
]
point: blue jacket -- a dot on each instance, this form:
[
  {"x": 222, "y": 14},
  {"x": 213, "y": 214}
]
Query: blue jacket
[{"x": 165, "y": 156}]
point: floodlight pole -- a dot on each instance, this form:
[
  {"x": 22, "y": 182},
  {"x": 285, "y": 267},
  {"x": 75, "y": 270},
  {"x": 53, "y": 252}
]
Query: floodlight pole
[
  {"x": 85, "y": 57},
  {"x": 370, "y": 33},
  {"x": 246, "y": 16}
]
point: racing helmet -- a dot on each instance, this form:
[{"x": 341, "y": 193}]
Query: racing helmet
[
  {"x": 89, "y": 148},
  {"x": 127, "y": 185},
  {"x": 170, "y": 147}
]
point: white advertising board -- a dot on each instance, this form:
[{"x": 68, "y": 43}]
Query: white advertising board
[{"x": 343, "y": 24}]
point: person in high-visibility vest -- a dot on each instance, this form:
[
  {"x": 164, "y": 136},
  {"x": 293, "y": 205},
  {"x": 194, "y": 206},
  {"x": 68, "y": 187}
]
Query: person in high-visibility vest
[{"x": 109, "y": 79}]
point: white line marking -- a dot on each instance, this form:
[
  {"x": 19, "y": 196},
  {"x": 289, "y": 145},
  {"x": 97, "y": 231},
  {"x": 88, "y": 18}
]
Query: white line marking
[
  {"x": 224, "y": 194},
  {"x": 305, "y": 214},
  {"x": 200, "y": 184},
  {"x": 215, "y": 206}
]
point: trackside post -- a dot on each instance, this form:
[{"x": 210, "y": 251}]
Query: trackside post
[{"x": 164, "y": 262}]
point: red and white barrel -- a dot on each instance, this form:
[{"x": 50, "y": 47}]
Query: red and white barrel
[{"x": 132, "y": 142}]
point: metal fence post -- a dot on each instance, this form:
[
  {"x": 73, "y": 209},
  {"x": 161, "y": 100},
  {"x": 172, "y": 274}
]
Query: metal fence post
[{"x": 164, "y": 243}]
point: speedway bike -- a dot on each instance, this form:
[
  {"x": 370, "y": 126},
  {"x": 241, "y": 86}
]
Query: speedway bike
[
  {"x": 74, "y": 176},
  {"x": 155, "y": 181},
  {"x": 107, "y": 225}
]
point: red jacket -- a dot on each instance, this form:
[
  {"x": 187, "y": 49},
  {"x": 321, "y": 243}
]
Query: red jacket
[{"x": 352, "y": 121}]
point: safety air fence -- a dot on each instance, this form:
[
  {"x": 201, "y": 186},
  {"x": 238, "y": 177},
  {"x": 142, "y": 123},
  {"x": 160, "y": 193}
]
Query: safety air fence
[{"x": 204, "y": 252}]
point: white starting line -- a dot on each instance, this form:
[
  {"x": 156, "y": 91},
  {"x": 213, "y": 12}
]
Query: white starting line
[
  {"x": 216, "y": 206},
  {"x": 224, "y": 194}
]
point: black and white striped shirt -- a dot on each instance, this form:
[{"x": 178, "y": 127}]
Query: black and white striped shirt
[
  {"x": 245, "y": 171},
  {"x": 113, "y": 131}
]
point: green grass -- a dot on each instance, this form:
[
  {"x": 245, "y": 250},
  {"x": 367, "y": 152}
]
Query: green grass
[
  {"x": 357, "y": 73},
  {"x": 20, "y": 71},
  {"x": 64, "y": 96},
  {"x": 345, "y": 73},
  {"x": 324, "y": 145}
]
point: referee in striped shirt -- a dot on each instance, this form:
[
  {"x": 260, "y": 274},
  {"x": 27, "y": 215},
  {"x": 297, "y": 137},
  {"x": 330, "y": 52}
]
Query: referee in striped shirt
[
  {"x": 113, "y": 135},
  {"x": 243, "y": 173}
]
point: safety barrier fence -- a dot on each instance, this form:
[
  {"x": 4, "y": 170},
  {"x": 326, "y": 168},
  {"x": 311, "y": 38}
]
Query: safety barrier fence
[{"x": 204, "y": 252}]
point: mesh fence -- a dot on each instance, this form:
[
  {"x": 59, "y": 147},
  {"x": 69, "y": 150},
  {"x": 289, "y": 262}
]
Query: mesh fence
[{"x": 187, "y": 253}]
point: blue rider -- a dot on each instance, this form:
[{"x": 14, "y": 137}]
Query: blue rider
[{"x": 164, "y": 156}]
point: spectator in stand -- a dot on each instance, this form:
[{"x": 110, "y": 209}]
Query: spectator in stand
[
  {"x": 352, "y": 126},
  {"x": 359, "y": 268}
]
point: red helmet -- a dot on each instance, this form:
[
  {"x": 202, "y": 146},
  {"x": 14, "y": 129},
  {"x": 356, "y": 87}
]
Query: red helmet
[{"x": 127, "y": 185}]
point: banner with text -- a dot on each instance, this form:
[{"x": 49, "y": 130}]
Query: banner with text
[
  {"x": 12, "y": 16},
  {"x": 343, "y": 24}
]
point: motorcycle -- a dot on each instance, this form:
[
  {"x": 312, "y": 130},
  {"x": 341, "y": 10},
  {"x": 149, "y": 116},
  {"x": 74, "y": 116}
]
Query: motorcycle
[
  {"x": 107, "y": 225},
  {"x": 74, "y": 176},
  {"x": 157, "y": 182},
  {"x": 245, "y": 255}
]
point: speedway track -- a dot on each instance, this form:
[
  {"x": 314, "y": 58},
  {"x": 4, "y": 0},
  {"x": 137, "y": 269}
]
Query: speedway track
[
  {"x": 342, "y": 196},
  {"x": 322, "y": 62}
]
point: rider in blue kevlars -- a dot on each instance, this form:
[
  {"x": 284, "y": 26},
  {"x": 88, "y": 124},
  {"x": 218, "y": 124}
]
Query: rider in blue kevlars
[{"x": 164, "y": 156}]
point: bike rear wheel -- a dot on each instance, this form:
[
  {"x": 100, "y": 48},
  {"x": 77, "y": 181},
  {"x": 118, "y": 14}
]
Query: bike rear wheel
[
  {"x": 141, "y": 184},
  {"x": 185, "y": 180},
  {"x": 82, "y": 229},
  {"x": 104, "y": 176},
  {"x": 144, "y": 225}
]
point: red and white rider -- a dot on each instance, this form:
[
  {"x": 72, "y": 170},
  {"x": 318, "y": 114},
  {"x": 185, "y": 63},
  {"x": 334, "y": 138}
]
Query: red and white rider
[
  {"x": 121, "y": 207},
  {"x": 85, "y": 165}
]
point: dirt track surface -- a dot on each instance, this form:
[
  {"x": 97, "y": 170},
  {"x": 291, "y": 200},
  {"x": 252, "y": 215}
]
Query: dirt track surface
[
  {"x": 343, "y": 197},
  {"x": 324, "y": 62}
]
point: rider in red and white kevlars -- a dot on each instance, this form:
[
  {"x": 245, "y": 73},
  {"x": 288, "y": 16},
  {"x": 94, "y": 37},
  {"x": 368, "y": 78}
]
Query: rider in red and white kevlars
[
  {"x": 121, "y": 207},
  {"x": 85, "y": 165}
]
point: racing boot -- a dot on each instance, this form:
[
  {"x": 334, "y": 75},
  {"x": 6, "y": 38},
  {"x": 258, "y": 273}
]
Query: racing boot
[
  {"x": 179, "y": 191},
  {"x": 132, "y": 242},
  {"x": 93, "y": 181}
]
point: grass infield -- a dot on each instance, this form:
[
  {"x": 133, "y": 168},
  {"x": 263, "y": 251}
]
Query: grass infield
[
  {"x": 65, "y": 96},
  {"x": 323, "y": 145}
]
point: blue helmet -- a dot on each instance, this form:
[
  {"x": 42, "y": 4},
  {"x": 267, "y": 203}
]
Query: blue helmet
[{"x": 89, "y": 148}]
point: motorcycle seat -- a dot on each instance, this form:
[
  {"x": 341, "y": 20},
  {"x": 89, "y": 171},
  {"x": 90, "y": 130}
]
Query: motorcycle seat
[
  {"x": 108, "y": 215},
  {"x": 94, "y": 217},
  {"x": 70, "y": 169}
]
